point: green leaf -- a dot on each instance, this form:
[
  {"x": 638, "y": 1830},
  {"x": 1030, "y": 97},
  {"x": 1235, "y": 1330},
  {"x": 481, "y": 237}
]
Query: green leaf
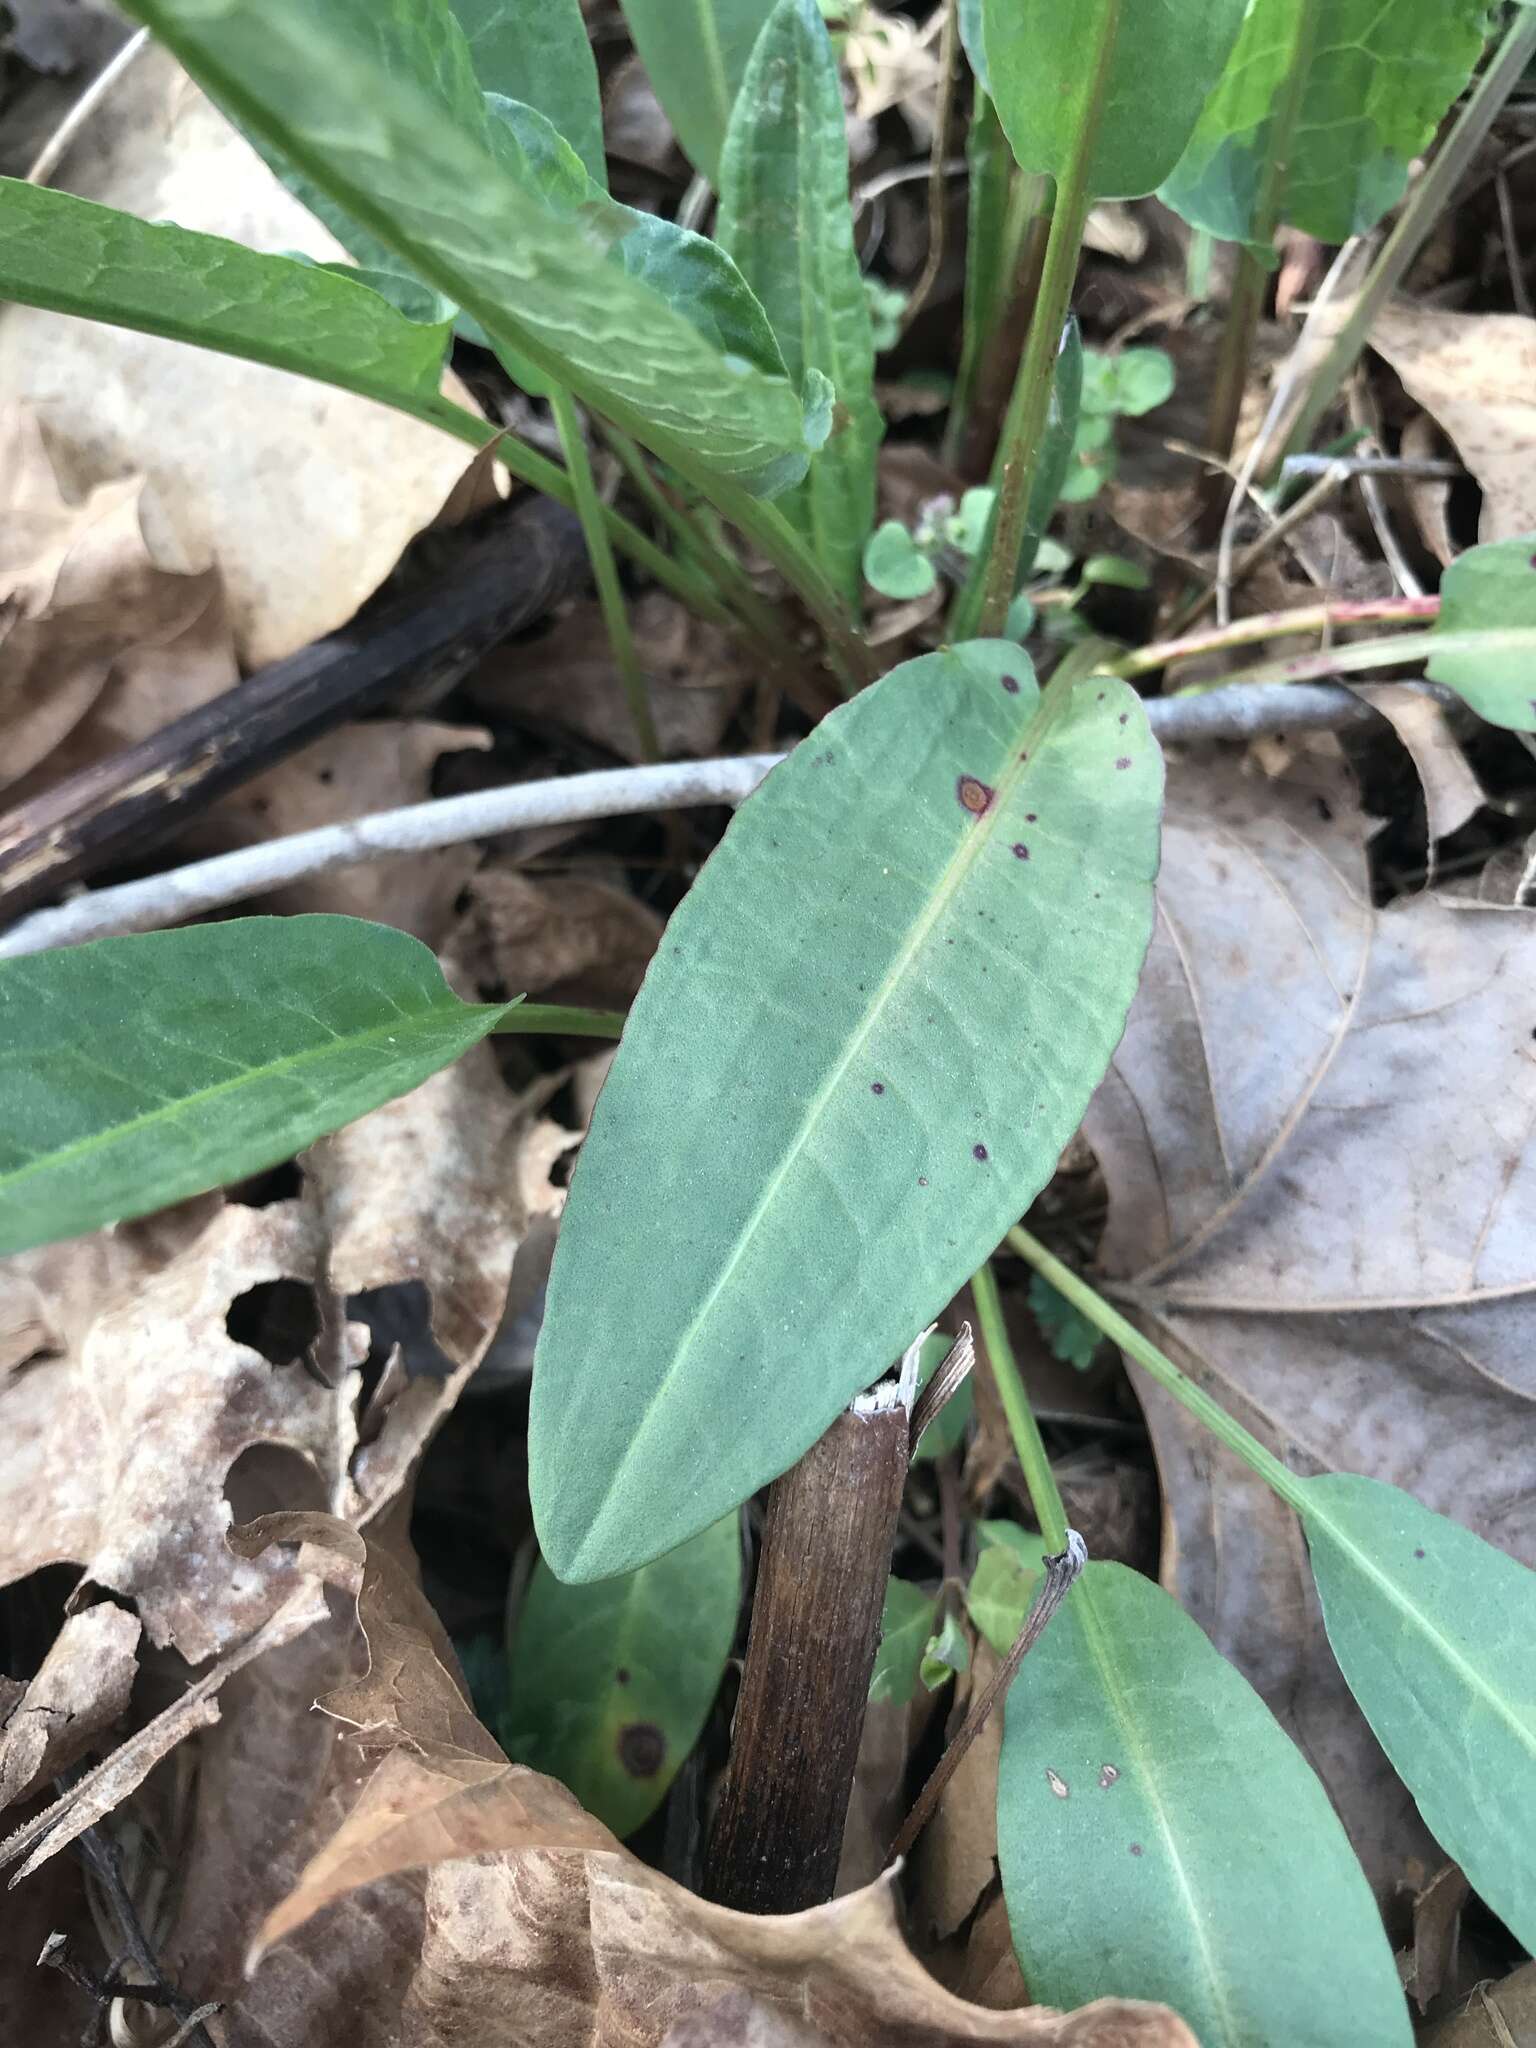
[
  {"x": 1093, "y": 460},
  {"x": 871, "y": 1027},
  {"x": 1492, "y": 589},
  {"x": 785, "y": 217},
  {"x": 1133, "y": 381},
  {"x": 695, "y": 54},
  {"x": 1001, "y": 1590},
  {"x": 1160, "y": 1837},
  {"x": 608, "y": 1686},
  {"x": 895, "y": 565},
  {"x": 1435, "y": 1630},
  {"x": 135, "y": 1072},
  {"x": 1072, "y": 1338},
  {"x": 1117, "y": 571},
  {"x": 945, "y": 1655},
  {"x": 73, "y": 256},
  {"x": 1362, "y": 89},
  {"x": 971, "y": 40},
  {"x": 540, "y": 54},
  {"x": 906, "y": 1621},
  {"x": 371, "y": 104},
  {"x": 1159, "y": 62}
]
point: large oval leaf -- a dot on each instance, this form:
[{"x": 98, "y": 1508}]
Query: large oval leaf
[
  {"x": 1161, "y": 1837},
  {"x": 608, "y": 1685},
  {"x": 540, "y": 54},
  {"x": 379, "y": 107},
  {"x": 1160, "y": 62},
  {"x": 1371, "y": 84},
  {"x": 135, "y": 1072},
  {"x": 1435, "y": 1631},
  {"x": 695, "y": 53},
  {"x": 785, "y": 217},
  {"x": 870, "y": 1029}
]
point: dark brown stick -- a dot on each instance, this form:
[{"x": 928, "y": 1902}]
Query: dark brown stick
[
  {"x": 501, "y": 577},
  {"x": 1060, "y": 1572},
  {"x": 831, "y": 1521}
]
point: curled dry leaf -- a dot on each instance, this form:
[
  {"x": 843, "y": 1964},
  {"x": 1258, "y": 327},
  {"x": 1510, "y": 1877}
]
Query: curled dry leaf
[
  {"x": 1452, "y": 792},
  {"x": 98, "y": 642},
  {"x": 1476, "y": 374},
  {"x": 301, "y": 496},
  {"x": 534, "y": 1925},
  {"x": 955, "y": 1858},
  {"x": 1322, "y": 1202},
  {"x": 695, "y": 672}
]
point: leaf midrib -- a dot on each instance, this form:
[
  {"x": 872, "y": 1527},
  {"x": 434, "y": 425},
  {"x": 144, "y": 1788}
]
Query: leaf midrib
[
  {"x": 955, "y": 872},
  {"x": 272, "y": 1069}
]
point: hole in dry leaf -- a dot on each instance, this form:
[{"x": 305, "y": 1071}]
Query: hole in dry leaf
[
  {"x": 283, "y": 1183},
  {"x": 399, "y": 1313},
  {"x": 278, "y": 1318},
  {"x": 32, "y": 1612},
  {"x": 269, "y": 1479}
]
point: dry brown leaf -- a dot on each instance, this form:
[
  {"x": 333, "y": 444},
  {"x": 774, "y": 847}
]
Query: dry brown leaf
[
  {"x": 82, "y": 1688},
  {"x": 98, "y": 643},
  {"x": 566, "y": 678},
  {"x": 1316, "y": 1141},
  {"x": 377, "y": 765},
  {"x": 114, "y": 1453},
  {"x": 1452, "y": 792},
  {"x": 1428, "y": 497},
  {"x": 1499, "y": 2015},
  {"x": 1476, "y": 374},
  {"x": 955, "y": 1859},
  {"x": 302, "y": 497},
  {"x": 564, "y": 940}
]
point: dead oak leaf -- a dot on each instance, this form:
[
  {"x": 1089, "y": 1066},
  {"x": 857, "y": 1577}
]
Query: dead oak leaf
[
  {"x": 1322, "y": 1202},
  {"x": 81, "y": 1689},
  {"x": 1476, "y": 374}
]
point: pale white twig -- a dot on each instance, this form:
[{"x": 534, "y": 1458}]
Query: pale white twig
[
  {"x": 1244, "y": 711},
  {"x": 49, "y": 157}
]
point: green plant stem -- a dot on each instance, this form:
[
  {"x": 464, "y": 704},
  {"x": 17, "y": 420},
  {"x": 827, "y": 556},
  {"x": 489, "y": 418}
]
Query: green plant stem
[
  {"x": 561, "y": 1020},
  {"x": 605, "y": 572},
  {"x": 1246, "y": 303},
  {"x": 1424, "y": 206},
  {"x": 1315, "y": 618},
  {"x": 1039, "y": 1479},
  {"x": 1402, "y": 648},
  {"x": 1090, "y": 1303},
  {"x": 1024, "y": 424},
  {"x": 771, "y": 533},
  {"x": 540, "y": 474}
]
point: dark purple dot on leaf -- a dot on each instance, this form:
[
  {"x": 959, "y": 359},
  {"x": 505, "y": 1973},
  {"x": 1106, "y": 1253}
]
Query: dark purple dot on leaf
[
  {"x": 1135, "y": 1848},
  {"x": 622, "y": 1675},
  {"x": 1024, "y": 757},
  {"x": 975, "y": 796},
  {"x": 1418, "y": 1553},
  {"x": 877, "y": 1087},
  {"x": 1011, "y": 685},
  {"x": 1533, "y": 561},
  {"x": 642, "y": 1749},
  {"x": 921, "y": 1182},
  {"x": 978, "y": 1151},
  {"x": 1020, "y": 850},
  {"x": 1030, "y": 817},
  {"x": 1124, "y": 761},
  {"x": 1124, "y": 718},
  {"x": 1101, "y": 696}
]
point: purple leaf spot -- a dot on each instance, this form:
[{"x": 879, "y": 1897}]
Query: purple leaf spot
[
  {"x": 877, "y": 1087},
  {"x": 978, "y": 1151},
  {"x": 1020, "y": 850},
  {"x": 1124, "y": 761},
  {"x": 1101, "y": 696},
  {"x": 1418, "y": 1553},
  {"x": 1011, "y": 685},
  {"x": 1124, "y": 718},
  {"x": 975, "y": 796},
  {"x": 1135, "y": 1848},
  {"x": 1029, "y": 817}
]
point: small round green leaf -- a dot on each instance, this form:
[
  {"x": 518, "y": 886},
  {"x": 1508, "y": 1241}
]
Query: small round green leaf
[
  {"x": 609, "y": 1685},
  {"x": 1492, "y": 590},
  {"x": 895, "y": 565},
  {"x": 137, "y": 1071}
]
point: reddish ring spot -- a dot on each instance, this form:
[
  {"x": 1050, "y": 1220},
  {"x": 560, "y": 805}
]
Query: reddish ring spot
[{"x": 975, "y": 796}]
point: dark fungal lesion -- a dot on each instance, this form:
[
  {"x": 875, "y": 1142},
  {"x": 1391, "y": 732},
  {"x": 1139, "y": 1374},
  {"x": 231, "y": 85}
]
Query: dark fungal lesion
[
  {"x": 642, "y": 1748},
  {"x": 974, "y": 795}
]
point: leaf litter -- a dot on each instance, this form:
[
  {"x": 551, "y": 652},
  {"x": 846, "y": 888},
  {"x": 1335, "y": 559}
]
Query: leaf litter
[{"x": 1320, "y": 1208}]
